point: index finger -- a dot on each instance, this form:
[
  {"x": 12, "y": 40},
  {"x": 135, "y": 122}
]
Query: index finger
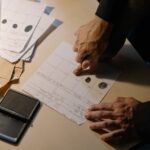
[
  {"x": 101, "y": 106},
  {"x": 78, "y": 70},
  {"x": 83, "y": 55},
  {"x": 113, "y": 134}
]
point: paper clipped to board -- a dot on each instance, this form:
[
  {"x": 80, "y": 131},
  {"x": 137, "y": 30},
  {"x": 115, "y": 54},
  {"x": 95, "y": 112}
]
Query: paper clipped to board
[{"x": 56, "y": 86}]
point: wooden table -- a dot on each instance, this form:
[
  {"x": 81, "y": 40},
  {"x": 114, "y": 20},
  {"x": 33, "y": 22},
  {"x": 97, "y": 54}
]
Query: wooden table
[{"x": 52, "y": 131}]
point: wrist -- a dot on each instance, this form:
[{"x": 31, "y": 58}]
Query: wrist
[
  {"x": 101, "y": 21},
  {"x": 101, "y": 28}
]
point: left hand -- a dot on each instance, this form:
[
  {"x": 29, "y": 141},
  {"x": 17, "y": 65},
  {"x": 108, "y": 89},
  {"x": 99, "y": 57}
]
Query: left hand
[{"x": 117, "y": 117}]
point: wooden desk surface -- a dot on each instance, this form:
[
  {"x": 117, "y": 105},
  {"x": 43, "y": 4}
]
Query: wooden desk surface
[{"x": 52, "y": 131}]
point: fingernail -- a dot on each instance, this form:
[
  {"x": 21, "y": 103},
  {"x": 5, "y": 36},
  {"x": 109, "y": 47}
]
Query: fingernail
[
  {"x": 86, "y": 114},
  {"x": 91, "y": 127},
  {"x": 90, "y": 107},
  {"x": 77, "y": 72},
  {"x": 85, "y": 64}
]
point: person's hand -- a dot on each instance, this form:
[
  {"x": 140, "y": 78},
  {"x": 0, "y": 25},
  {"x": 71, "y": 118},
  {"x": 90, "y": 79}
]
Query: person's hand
[
  {"x": 116, "y": 117},
  {"x": 92, "y": 40}
]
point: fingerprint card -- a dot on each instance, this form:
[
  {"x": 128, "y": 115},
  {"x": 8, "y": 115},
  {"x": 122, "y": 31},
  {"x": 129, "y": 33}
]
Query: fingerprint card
[{"x": 19, "y": 19}]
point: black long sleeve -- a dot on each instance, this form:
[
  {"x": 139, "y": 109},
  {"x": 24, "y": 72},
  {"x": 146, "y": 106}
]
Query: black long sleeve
[
  {"x": 115, "y": 12},
  {"x": 142, "y": 120},
  {"x": 111, "y": 10}
]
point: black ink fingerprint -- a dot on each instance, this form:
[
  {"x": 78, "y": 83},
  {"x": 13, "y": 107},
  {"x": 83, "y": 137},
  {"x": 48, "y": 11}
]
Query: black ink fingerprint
[
  {"x": 4, "y": 21},
  {"x": 88, "y": 80},
  {"x": 15, "y": 26},
  {"x": 28, "y": 28},
  {"x": 102, "y": 85}
]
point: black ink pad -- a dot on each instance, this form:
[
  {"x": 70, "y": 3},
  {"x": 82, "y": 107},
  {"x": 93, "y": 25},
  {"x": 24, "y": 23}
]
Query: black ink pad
[{"x": 16, "y": 112}]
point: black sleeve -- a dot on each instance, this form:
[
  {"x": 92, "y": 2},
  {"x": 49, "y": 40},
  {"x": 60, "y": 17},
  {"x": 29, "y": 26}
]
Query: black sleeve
[
  {"x": 110, "y": 10},
  {"x": 142, "y": 120},
  {"x": 115, "y": 12}
]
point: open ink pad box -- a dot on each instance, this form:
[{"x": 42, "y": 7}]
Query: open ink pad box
[{"x": 16, "y": 112}]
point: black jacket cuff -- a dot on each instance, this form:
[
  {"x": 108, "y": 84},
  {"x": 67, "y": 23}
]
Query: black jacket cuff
[
  {"x": 142, "y": 120},
  {"x": 110, "y": 10}
]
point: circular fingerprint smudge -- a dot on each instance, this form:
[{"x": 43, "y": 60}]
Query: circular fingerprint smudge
[
  {"x": 102, "y": 85},
  {"x": 88, "y": 80},
  {"x": 28, "y": 28},
  {"x": 4, "y": 21},
  {"x": 15, "y": 26}
]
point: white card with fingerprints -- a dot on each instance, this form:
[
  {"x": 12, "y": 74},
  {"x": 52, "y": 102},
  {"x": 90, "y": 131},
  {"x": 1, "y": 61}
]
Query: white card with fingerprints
[
  {"x": 56, "y": 86},
  {"x": 45, "y": 22},
  {"x": 19, "y": 19}
]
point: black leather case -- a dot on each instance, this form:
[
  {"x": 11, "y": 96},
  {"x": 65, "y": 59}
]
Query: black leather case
[{"x": 16, "y": 112}]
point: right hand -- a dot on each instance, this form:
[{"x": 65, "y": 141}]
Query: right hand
[{"x": 92, "y": 40}]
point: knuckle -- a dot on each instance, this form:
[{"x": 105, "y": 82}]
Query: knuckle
[
  {"x": 105, "y": 138},
  {"x": 92, "y": 126},
  {"x": 101, "y": 114},
  {"x": 114, "y": 113},
  {"x": 105, "y": 124}
]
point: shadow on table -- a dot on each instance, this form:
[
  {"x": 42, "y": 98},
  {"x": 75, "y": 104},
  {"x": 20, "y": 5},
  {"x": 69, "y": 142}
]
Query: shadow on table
[{"x": 133, "y": 69}]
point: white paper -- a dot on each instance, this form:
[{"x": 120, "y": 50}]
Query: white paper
[
  {"x": 14, "y": 57},
  {"x": 28, "y": 56},
  {"x": 24, "y": 15},
  {"x": 56, "y": 86},
  {"x": 43, "y": 25},
  {"x": 45, "y": 22}
]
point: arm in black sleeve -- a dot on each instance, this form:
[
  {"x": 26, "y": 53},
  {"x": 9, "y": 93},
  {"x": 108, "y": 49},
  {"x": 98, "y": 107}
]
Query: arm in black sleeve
[
  {"x": 142, "y": 120},
  {"x": 117, "y": 13},
  {"x": 111, "y": 10},
  {"x": 125, "y": 15}
]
